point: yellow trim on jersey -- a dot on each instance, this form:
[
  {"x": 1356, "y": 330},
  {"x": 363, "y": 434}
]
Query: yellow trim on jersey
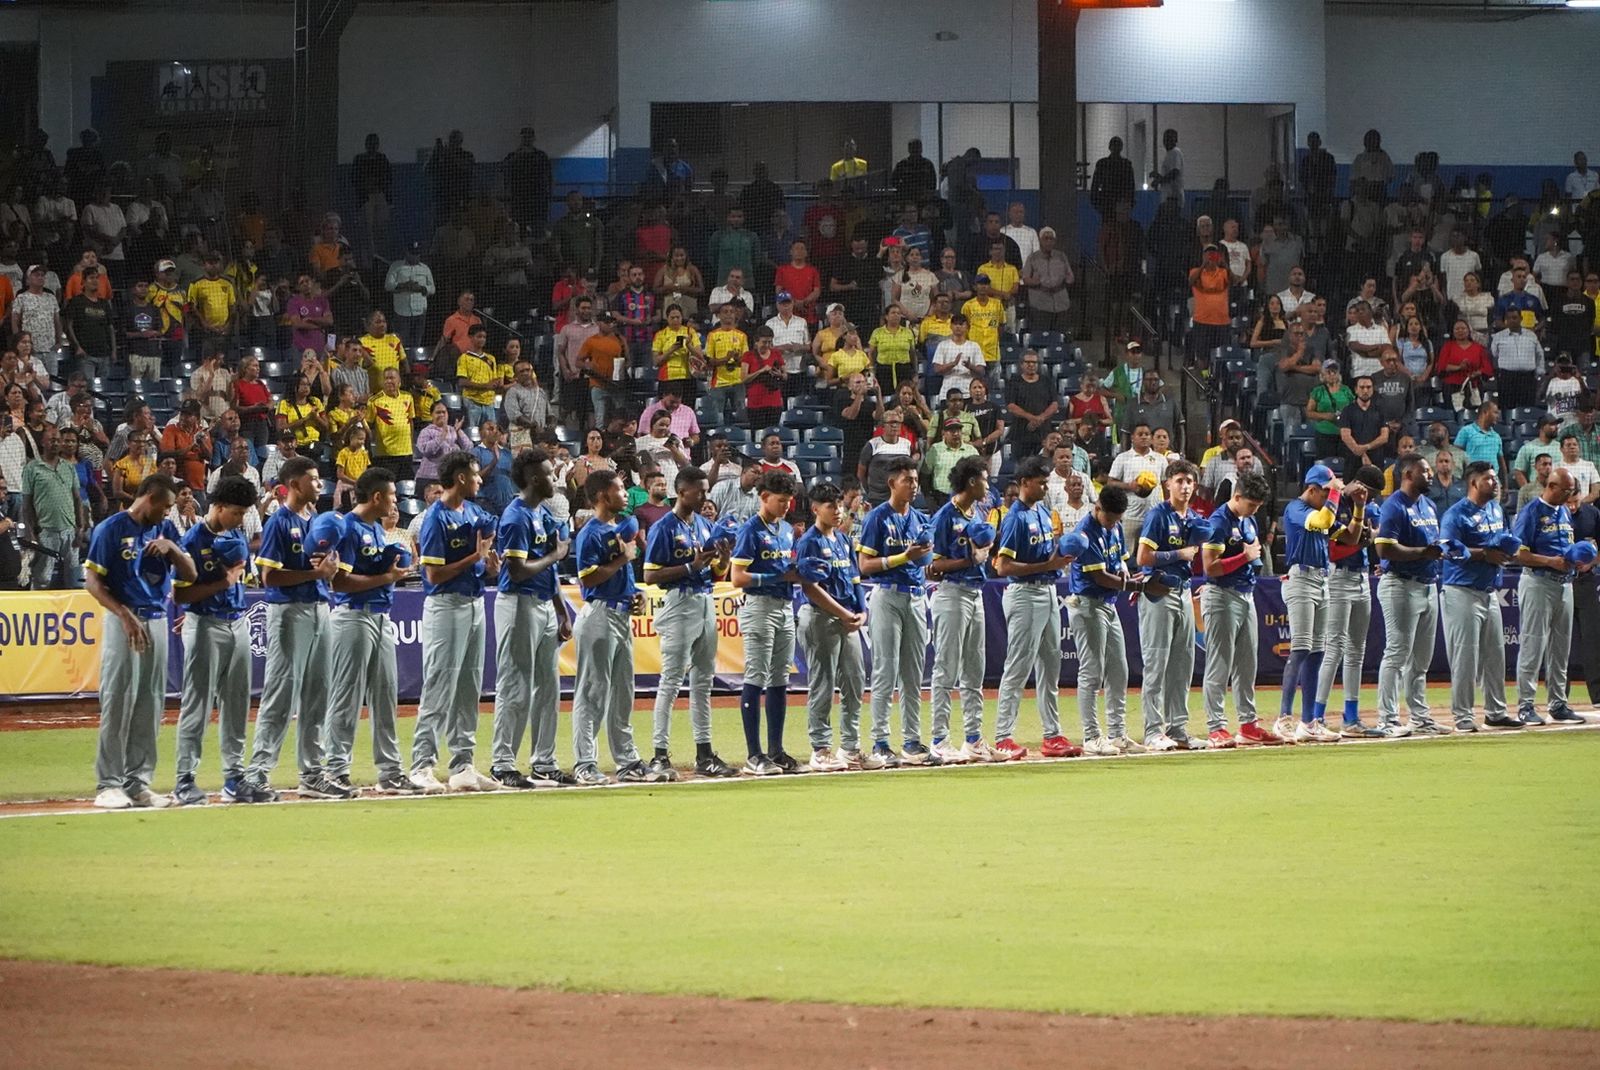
[
  {"x": 1149, "y": 542},
  {"x": 432, "y": 561},
  {"x": 97, "y": 567},
  {"x": 1093, "y": 568},
  {"x": 345, "y": 567},
  {"x": 515, "y": 553},
  {"x": 1214, "y": 546},
  {"x": 591, "y": 568},
  {"x": 869, "y": 551},
  {"x": 1006, "y": 551},
  {"x": 742, "y": 561},
  {"x": 262, "y": 561},
  {"x": 180, "y": 583},
  {"x": 1389, "y": 542}
]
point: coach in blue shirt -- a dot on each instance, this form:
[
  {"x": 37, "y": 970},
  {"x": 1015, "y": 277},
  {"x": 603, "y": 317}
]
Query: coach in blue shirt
[
  {"x": 1474, "y": 634},
  {"x": 1408, "y": 546},
  {"x": 1544, "y": 595}
]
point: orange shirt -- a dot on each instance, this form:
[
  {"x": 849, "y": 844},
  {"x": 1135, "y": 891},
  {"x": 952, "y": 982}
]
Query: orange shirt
[
  {"x": 1210, "y": 286},
  {"x": 175, "y": 439},
  {"x": 602, "y": 351},
  {"x": 74, "y": 287},
  {"x": 325, "y": 256},
  {"x": 456, "y": 327}
]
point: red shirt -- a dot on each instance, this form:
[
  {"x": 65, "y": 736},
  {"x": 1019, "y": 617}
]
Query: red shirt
[
  {"x": 1076, "y": 407},
  {"x": 800, "y": 282},
  {"x": 1472, "y": 355},
  {"x": 653, "y": 243},
  {"x": 251, "y": 392},
  {"x": 765, "y": 392},
  {"x": 562, "y": 295},
  {"x": 821, "y": 248}
]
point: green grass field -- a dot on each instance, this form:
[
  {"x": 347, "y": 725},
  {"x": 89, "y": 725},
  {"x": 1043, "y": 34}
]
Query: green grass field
[{"x": 1434, "y": 880}]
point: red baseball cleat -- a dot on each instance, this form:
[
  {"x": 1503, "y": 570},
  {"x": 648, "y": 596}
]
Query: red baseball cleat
[
  {"x": 1060, "y": 747},
  {"x": 1251, "y": 733},
  {"x": 1007, "y": 750},
  {"x": 1222, "y": 739}
]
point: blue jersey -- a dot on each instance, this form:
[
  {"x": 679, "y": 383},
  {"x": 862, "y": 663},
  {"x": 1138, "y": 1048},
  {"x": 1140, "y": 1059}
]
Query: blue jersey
[
  {"x": 832, "y": 558},
  {"x": 1407, "y": 522},
  {"x": 1302, "y": 546},
  {"x": 885, "y": 533},
  {"x": 1357, "y": 561},
  {"x": 1228, "y": 535},
  {"x": 497, "y": 490},
  {"x": 1474, "y": 526},
  {"x": 597, "y": 545},
  {"x": 675, "y": 542},
  {"x": 1166, "y": 531},
  {"x": 286, "y": 544},
  {"x": 213, "y": 553},
  {"x": 363, "y": 551},
  {"x": 1105, "y": 554},
  {"x": 950, "y": 543},
  {"x": 447, "y": 536},
  {"x": 327, "y": 533},
  {"x": 138, "y": 580},
  {"x": 1028, "y": 536},
  {"x": 527, "y": 534},
  {"x": 766, "y": 551},
  {"x": 1545, "y": 529}
]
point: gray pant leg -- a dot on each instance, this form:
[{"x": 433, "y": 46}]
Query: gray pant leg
[
  {"x": 1546, "y": 630},
  {"x": 513, "y": 681},
  {"x": 1230, "y": 651},
  {"x": 1399, "y": 624},
  {"x": 947, "y": 654},
  {"x": 595, "y": 643},
  {"x": 468, "y": 674},
  {"x": 1033, "y": 646},
  {"x": 132, "y": 695},
  {"x": 767, "y": 625},
  {"x": 1102, "y": 664},
  {"x": 383, "y": 695},
  {"x": 1425, "y": 600},
  {"x": 1166, "y": 644},
  {"x": 821, "y": 645},
  {"x": 1341, "y": 603},
  {"x": 546, "y": 683},
  {"x": 1474, "y": 639},
  {"x": 296, "y": 683},
  {"x": 913, "y": 658},
  {"x": 884, "y": 624},
  {"x": 703, "y": 668},
  {"x": 1492, "y": 658},
  {"x": 968, "y": 637},
  {"x": 1180, "y": 667},
  {"x": 216, "y": 670},
  {"x": 681, "y": 624},
  {"x": 441, "y": 653},
  {"x": 619, "y": 691},
  {"x": 362, "y": 667},
  {"x": 1305, "y": 598}
]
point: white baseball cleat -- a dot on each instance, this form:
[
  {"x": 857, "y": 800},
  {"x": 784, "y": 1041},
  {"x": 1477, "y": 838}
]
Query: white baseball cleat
[
  {"x": 424, "y": 779},
  {"x": 824, "y": 760},
  {"x": 1100, "y": 747},
  {"x": 113, "y": 799},
  {"x": 1125, "y": 745},
  {"x": 144, "y": 798},
  {"x": 947, "y": 752},
  {"x": 1287, "y": 729},
  {"x": 978, "y": 751},
  {"x": 1160, "y": 745},
  {"x": 469, "y": 779}
]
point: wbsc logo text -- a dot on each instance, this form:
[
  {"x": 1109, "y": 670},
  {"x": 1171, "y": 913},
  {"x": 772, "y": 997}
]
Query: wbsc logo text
[{"x": 47, "y": 629}]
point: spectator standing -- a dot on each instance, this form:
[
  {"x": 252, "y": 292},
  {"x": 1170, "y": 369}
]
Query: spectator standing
[
  {"x": 1456, "y": 262},
  {"x": 440, "y": 437},
  {"x": 1362, "y": 429},
  {"x": 1210, "y": 284},
  {"x": 800, "y": 279},
  {"x": 854, "y": 280},
  {"x": 1031, "y": 404},
  {"x": 1482, "y": 442},
  {"x": 579, "y": 239},
  {"x": 914, "y": 178},
  {"x": 390, "y": 413},
  {"x": 54, "y": 509},
  {"x": 1047, "y": 273},
  {"x": 89, "y": 320},
  {"x": 1168, "y": 177},
  {"x": 1463, "y": 366},
  {"x": 411, "y": 283},
  {"x": 732, "y": 246},
  {"x": 527, "y": 407},
  {"x": 1518, "y": 360},
  {"x": 1131, "y": 472},
  {"x": 1112, "y": 183},
  {"x": 528, "y": 180}
]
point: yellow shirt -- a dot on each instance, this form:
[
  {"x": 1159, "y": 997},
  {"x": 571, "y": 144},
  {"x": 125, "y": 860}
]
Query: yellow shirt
[
  {"x": 135, "y": 470},
  {"x": 828, "y": 340},
  {"x": 309, "y": 434},
  {"x": 669, "y": 338},
  {"x": 985, "y": 317},
  {"x": 352, "y": 462},
  {"x": 338, "y": 420},
  {"x": 893, "y": 347},
  {"x": 480, "y": 370},
  {"x": 213, "y": 300},
  {"x": 390, "y": 418},
  {"x": 849, "y": 361},
  {"x": 170, "y": 302},
  {"x": 725, "y": 349},
  {"x": 853, "y": 167},
  {"x": 386, "y": 353},
  {"x": 934, "y": 327},
  {"x": 1003, "y": 278},
  {"x": 423, "y": 401}
]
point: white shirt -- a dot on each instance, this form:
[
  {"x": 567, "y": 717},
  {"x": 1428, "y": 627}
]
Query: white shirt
[
  {"x": 409, "y": 303},
  {"x": 1172, "y": 161},
  {"x": 1126, "y": 467},
  {"x": 1368, "y": 336},
  {"x": 1580, "y": 185},
  {"x": 1517, "y": 351},
  {"x": 105, "y": 219},
  {"x": 1026, "y": 237},
  {"x": 722, "y": 295},
  {"x": 1583, "y": 473},
  {"x": 13, "y": 454},
  {"x": 37, "y": 316},
  {"x": 792, "y": 333},
  {"x": 1238, "y": 258},
  {"x": 969, "y": 354},
  {"x": 666, "y": 463},
  {"x": 1291, "y": 303},
  {"x": 1454, "y": 267},
  {"x": 1551, "y": 268}
]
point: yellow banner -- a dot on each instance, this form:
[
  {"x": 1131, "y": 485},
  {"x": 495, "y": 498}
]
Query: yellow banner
[
  {"x": 49, "y": 644},
  {"x": 725, "y": 597}
]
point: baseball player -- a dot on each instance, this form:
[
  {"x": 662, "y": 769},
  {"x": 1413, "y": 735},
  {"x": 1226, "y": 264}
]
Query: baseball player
[
  {"x": 1168, "y": 544},
  {"x": 681, "y": 557},
  {"x": 132, "y": 557},
  {"x": 1029, "y": 556},
  {"x": 216, "y": 641},
  {"x": 1545, "y": 595},
  {"x": 1477, "y": 547},
  {"x": 531, "y": 621},
  {"x": 295, "y": 684},
  {"x": 1308, "y": 522},
  {"x": 1350, "y": 603},
  {"x": 1098, "y": 575},
  {"x": 829, "y": 629},
  {"x": 763, "y": 565},
  {"x": 895, "y": 542},
  {"x": 362, "y": 638},
  {"x": 962, "y": 541},
  {"x": 603, "y": 690},
  {"x": 1231, "y": 558},
  {"x": 1408, "y": 546},
  {"x": 455, "y": 547}
]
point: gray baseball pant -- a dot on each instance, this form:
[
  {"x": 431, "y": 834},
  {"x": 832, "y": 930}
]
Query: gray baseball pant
[
  {"x": 1475, "y": 643},
  {"x": 1232, "y": 633},
  {"x": 527, "y": 694},
  {"x": 897, "y": 628},
  {"x": 958, "y": 655},
  {"x": 686, "y": 623},
  {"x": 1166, "y": 642},
  {"x": 767, "y": 625},
  {"x": 1305, "y": 597},
  {"x": 133, "y": 689},
  {"x": 833, "y": 659},
  {"x": 362, "y": 667},
  {"x": 1546, "y": 631},
  {"x": 453, "y": 628},
  {"x": 216, "y": 669},
  {"x": 1102, "y": 664},
  {"x": 1033, "y": 646},
  {"x": 603, "y": 689},
  {"x": 1349, "y": 619},
  {"x": 295, "y": 685},
  {"x": 1410, "y": 618}
]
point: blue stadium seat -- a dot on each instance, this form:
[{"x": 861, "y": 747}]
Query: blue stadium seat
[
  {"x": 1044, "y": 339},
  {"x": 826, "y": 434},
  {"x": 814, "y": 451},
  {"x": 801, "y": 418},
  {"x": 1524, "y": 414},
  {"x": 736, "y": 434}
]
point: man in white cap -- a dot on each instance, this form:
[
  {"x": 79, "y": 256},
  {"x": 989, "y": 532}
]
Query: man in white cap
[{"x": 1047, "y": 273}]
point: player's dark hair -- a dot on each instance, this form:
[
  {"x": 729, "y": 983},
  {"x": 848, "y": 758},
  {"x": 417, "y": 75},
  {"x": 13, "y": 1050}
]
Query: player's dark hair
[
  {"x": 1181, "y": 468},
  {"x": 825, "y": 493},
  {"x": 524, "y": 465},
  {"x": 1369, "y": 476},
  {"x": 1035, "y": 467},
  {"x": 689, "y": 475},
  {"x": 295, "y": 468},
  {"x": 1253, "y": 487},
  {"x": 160, "y": 482},
  {"x": 371, "y": 482},
  {"x": 455, "y": 464},
  {"x": 1476, "y": 469},
  {"x": 966, "y": 472},
  {"x": 234, "y": 490},
  {"x": 895, "y": 465},
  {"x": 1408, "y": 464},
  {"x": 597, "y": 482},
  {"x": 1114, "y": 500},
  {"x": 776, "y": 482}
]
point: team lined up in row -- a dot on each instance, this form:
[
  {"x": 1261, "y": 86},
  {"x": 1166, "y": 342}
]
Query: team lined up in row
[{"x": 329, "y": 582}]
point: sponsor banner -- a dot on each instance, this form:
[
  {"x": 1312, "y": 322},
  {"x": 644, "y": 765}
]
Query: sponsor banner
[{"x": 49, "y": 644}]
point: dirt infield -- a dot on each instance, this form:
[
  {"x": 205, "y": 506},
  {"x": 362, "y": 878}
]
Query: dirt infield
[{"x": 73, "y": 1016}]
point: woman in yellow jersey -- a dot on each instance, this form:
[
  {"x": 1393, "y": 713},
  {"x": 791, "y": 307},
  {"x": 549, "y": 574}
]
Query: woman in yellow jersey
[
  {"x": 848, "y": 359},
  {"x": 677, "y": 356},
  {"x": 828, "y": 337},
  {"x": 385, "y": 350},
  {"x": 132, "y": 468},
  {"x": 890, "y": 347},
  {"x": 301, "y": 413}
]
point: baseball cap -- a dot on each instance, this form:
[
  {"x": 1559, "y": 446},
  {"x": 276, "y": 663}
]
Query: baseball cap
[
  {"x": 1330, "y": 365},
  {"x": 1371, "y": 477},
  {"x": 982, "y": 278},
  {"x": 165, "y": 265},
  {"x": 1074, "y": 544},
  {"x": 1213, "y": 247},
  {"x": 1506, "y": 543},
  {"x": 784, "y": 295},
  {"x": 415, "y": 247},
  {"x": 1318, "y": 475},
  {"x": 1135, "y": 346},
  {"x": 1582, "y": 552},
  {"x": 1047, "y": 230},
  {"x": 952, "y": 425},
  {"x": 1454, "y": 549},
  {"x": 835, "y": 305},
  {"x": 1549, "y": 419}
]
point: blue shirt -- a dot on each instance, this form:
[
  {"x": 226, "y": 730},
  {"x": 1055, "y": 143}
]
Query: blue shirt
[
  {"x": 1105, "y": 554},
  {"x": 497, "y": 490},
  {"x": 675, "y": 542},
  {"x": 138, "y": 580},
  {"x": 1473, "y": 525},
  {"x": 363, "y": 551},
  {"x": 1028, "y": 536},
  {"x": 1166, "y": 531},
  {"x": 1518, "y": 302},
  {"x": 834, "y": 553},
  {"x": 1302, "y": 546},
  {"x": 1229, "y": 535},
  {"x": 286, "y": 544},
  {"x": 1404, "y": 522},
  {"x": 950, "y": 543},
  {"x": 598, "y": 544},
  {"x": 447, "y": 536},
  {"x": 527, "y": 534},
  {"x": 222, "y": 450},
  {"x": 1356, "y": 562},
  {"x": 213, "y": 554},
  {"x": 885, "y": 533},
  {"x": 766, "y": 552},
  {"x": 1481, "y": 445},
  {"x": 1545, "y": 529}
]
